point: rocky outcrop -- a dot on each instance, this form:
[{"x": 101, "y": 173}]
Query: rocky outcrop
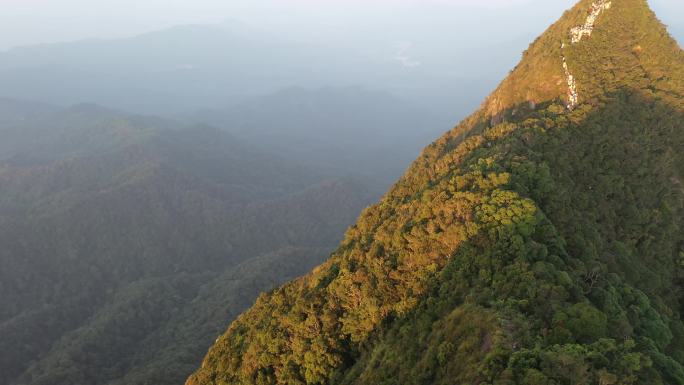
[
  {"x": 576, "y": 36},
  {"x": 573, "y": 96},
  {"x": 579, "y": 32}
]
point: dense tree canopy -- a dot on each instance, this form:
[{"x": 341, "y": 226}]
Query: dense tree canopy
[
  {"x": 129, "y": 242},
  {"x": 532, "y": 244}
]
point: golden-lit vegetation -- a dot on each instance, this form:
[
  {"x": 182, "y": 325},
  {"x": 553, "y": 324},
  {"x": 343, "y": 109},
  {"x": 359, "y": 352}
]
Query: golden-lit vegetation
[{"x": 529, "y": 245}]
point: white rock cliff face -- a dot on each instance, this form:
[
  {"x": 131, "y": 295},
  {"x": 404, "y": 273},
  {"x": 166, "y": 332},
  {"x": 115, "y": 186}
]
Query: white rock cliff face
[
  {"x": 576, "y": 35},
  {"x": 573, "y": 96}
]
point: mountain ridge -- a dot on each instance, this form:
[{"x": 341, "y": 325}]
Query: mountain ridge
[{"x": 532, "y": 244}]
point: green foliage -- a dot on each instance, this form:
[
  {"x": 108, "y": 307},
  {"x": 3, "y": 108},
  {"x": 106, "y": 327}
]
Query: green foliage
[
  {"x": 122, "y": 260},
  {"x": 530, "y": 245}
]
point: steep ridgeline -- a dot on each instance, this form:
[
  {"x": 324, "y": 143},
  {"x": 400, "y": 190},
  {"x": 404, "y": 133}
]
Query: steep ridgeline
[{"x": 541, "y": 241}]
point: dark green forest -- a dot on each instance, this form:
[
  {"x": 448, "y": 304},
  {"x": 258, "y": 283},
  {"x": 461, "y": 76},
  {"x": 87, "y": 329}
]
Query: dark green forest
[
  {"x": 538, "y": 242},
  {"x": 129, "y": 242}
]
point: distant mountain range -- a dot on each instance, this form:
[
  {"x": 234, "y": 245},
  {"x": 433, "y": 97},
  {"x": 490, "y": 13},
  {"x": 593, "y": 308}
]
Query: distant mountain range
[
  {"x": 186, "y": 68},
  {"x": 124, "y": 236},
  {"x": 341, "y": 130}
]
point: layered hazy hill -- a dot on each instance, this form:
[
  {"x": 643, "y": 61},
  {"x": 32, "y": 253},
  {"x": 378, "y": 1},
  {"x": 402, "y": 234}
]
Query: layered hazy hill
[
  {"x": 341, "y": 130},
  {"x": 538, "y": 242},
  {"x": 130, "y": 241},
  {"x": 185, "y": 68},
  {"x": 192, "y": 67}
]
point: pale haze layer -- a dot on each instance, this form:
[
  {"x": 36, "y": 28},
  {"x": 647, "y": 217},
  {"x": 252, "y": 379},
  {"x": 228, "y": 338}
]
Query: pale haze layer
[
  {"x": 25, "y": 22},
  {"x": 445, "y": 55}
]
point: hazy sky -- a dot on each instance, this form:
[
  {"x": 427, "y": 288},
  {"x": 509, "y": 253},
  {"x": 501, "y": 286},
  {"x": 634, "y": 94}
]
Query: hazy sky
[{"x": 25, "y": 22}]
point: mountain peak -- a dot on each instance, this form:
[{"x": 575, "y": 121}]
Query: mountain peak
[{"x": 597, "y": 47}]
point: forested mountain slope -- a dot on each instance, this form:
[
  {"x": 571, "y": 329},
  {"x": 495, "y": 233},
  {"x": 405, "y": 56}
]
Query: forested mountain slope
[
  {"x": 541, "y": 241},
  {"x": 118, "y": 232}
]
